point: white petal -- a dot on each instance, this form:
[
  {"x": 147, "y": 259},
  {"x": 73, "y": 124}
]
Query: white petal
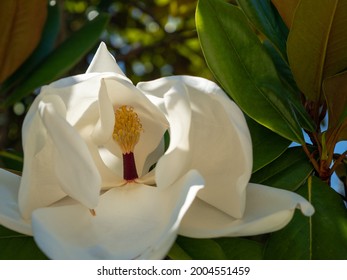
[
  {"x": 177, "y": 159},
  {"x": 74, "y": 166},
  {"x": 154, "y": 156},
  {"x": 152, "y": 159},
  {"x": 80, "y": 99},
  {"x": 103, "y": 129},
  {"x": 222, "y": 146},
  {"x": 72, "y": 80},
  {"x": 10, "y": 216},
  {"x": 268, "y": 209},
  {"x": 219, "y": 141},
  {"x": 39, "y": 186},
  {"x": 132, "y": 222},
  {"x": 110, "y": 167},
  {"x": 103, "y": 61}
]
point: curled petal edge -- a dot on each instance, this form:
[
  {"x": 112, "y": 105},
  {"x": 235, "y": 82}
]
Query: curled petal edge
[{"x": 267, "y": 209}]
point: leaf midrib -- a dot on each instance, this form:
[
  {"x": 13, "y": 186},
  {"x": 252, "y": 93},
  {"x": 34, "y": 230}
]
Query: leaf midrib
[
  {"x": 324, "y": 52},
  {"x": 251, "y": 78}
]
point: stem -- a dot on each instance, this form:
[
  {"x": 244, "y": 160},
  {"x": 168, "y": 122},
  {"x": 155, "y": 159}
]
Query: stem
[
  {"x": 338, "y": 161},
  {"x": 317, "y": 143},
  {"x": 312, "y": 159}
]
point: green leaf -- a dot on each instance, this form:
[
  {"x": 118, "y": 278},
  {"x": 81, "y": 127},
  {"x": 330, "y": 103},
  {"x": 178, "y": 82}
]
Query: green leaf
[
  {"x": 243, "y": 68},
  {"x": 289, "y": 171},
  {"x": 201, "y": 249},
  {"x": 177, "y": 253},
  {"x": 241, "y": 248},
  {"x": 45, "y": 46},
  {"x": 283, "y": 69},
  {"x": 16, "y": 246},
  {"x": 231, "y": 248},
  {"x": 12, "y": 160},
  {"x": 62, "y": 59},
  {"x": 317, "y": 44},
  {"x": 322, "y": 236},
  {"x": 267, "y": 20},
  {"x": 267, "y": 145},
  {"x": 288, "y": 81}
]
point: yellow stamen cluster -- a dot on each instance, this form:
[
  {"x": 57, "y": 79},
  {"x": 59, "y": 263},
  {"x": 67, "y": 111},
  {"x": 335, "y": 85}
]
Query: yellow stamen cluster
[{"x": 127, "y": 128}]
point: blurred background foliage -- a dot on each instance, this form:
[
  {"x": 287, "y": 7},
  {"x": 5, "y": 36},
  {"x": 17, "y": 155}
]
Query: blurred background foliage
[{"x": 149, "y": 39}]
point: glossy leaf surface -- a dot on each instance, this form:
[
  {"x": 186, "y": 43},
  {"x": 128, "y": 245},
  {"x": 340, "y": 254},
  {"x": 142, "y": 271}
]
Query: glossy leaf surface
[
  {"x": 289, "y": 171},
  {"x": 243, "y": 67},
  {"x": 16, "y": 246},
  {"x": 266, "y": 19},
  {"x": 322, "y": 236},
  {"x": 267, "y": 145},
  {"x": 218, "y": 249}
]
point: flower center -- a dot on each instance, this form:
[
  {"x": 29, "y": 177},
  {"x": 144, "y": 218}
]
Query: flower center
[{"x": 126, "y": 133}]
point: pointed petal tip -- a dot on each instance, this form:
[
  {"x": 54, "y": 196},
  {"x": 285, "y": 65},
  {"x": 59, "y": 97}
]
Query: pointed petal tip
[
  {"x": 104, "y": 61},
  {"x": 102, "y": 45}
]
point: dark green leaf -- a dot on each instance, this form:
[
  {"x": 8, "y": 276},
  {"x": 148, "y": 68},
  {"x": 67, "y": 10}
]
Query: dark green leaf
[
  {"x": 216, "y": 249},
  {"x": 12, "y": 160},
  {"x": 241, "y": 248},
  {"x": 63, "y": 58},
  {"x": 243, "y": 68},
  {"x": 16, "y": 246},
  {"x": 201, "y": 249},
  {"x": 267, "y": 20},
  {"x": 282, "y": 67},
  {"x": 289, "y": 171},
  {"x": 322, "y": 236},
  {"x": 287, "y": 79},
  {"x": 267, "y": 145}
]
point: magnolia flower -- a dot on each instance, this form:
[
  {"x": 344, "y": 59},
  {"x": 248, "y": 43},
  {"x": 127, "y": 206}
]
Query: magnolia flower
[{"x": 117, "y": 171}]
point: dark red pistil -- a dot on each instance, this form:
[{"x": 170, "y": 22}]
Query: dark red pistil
[{"x": 129, "y": 167}]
